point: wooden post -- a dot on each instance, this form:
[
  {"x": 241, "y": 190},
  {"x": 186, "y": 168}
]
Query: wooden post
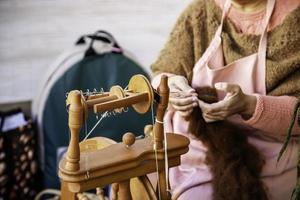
[
  {"x": 75, "y": 124},
  {"x": 158, "y": 130},
  {"x": 65, "y": 193},
  {"x": 124, "y": 190}
]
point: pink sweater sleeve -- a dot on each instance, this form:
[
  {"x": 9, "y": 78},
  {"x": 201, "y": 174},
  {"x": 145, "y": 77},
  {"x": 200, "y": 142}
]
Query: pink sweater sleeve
[{"x": 273, "y": 115}]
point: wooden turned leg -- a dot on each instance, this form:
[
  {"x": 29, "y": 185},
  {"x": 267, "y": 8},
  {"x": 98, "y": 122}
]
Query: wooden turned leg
[
  {"x": 124, "y": 190},
  {"x": 114, "y": 190},
  {"x": 66, "y": 194},
  {"x": 165, "y": 195}
]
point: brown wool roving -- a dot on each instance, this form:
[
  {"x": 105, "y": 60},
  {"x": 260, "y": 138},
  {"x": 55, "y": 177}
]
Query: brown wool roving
[{"x": 235, "y": 164}]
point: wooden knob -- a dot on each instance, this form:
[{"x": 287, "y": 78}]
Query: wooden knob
[
  {"x": 128, "y": 139},
  {"x": 148, "y": 130}
]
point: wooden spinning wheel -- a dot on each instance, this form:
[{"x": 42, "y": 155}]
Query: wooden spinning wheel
[{"x": 99, "y": 161}]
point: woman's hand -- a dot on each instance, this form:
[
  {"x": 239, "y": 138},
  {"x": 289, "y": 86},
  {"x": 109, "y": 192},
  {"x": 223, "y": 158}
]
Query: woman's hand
[
  {"x": 235, "y": 102},
  {"x": 183, "y": 97}
]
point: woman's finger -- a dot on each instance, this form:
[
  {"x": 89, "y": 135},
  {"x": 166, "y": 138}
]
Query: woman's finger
[
  {"x": 203, "y": 106},
  {"x": 186, "y": 107},
  {"x": 224, "y": 105},
  {"x": 221, "y": 114},
  {"x": 174, "y": 90},
  {"x": 211, "y": 108},
  {"x": 181, "y": 83},
  {"x": 210, "y": 118},
  {"x": 182, "y": 101},
  {"x": 180, "y": 94},
  {"x": 227, "y": 87},
  {"x": 186, "y": 88}
]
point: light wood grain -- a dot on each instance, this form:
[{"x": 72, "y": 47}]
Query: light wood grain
[{"x": 121, "y": 161}]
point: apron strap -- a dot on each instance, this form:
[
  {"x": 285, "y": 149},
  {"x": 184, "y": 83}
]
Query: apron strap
[
  {"x": 269, "y": 10},
  {"x": 226, "y": 8},
  {"x": 262, "y": 48}
]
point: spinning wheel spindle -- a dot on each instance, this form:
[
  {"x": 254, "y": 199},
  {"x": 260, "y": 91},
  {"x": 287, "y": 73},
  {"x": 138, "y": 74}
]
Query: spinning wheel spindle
[
  {"x": 95, "y": 96},
  {"x": 92, "y": 102},
  {"x": 119, "y": 103}
]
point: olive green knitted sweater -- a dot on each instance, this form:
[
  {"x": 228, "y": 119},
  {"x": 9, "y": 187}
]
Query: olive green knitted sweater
[{"x": 196, "y": 27}]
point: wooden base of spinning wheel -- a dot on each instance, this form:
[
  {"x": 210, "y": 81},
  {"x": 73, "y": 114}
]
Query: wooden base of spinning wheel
[
  {"x": 140, "y": 187},
  {"x": 127, "y": 162}
]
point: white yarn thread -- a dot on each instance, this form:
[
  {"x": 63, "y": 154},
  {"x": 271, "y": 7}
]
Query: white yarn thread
[
  {"x": 155, "y": 152},
  {"x": 166, "y": 162},
  {"x": 86, "y": 160},
  {"x": 102, "y": 117}
]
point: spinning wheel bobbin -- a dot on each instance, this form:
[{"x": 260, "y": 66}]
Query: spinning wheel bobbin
[
  {"x": 139, "y": 95},
  {"x": 119, "y": 93},
  {"x": 139, "y": 84}
]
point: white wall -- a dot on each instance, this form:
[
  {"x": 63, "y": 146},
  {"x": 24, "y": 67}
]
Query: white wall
[{"x": 34, "y": 32}]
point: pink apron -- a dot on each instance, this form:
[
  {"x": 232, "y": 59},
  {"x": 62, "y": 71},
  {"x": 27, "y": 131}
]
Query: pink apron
[{"x": 192, "y": 178}]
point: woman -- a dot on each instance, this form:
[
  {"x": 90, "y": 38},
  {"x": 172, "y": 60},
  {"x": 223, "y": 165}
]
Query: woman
[{"x": 249, "y": 50}]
